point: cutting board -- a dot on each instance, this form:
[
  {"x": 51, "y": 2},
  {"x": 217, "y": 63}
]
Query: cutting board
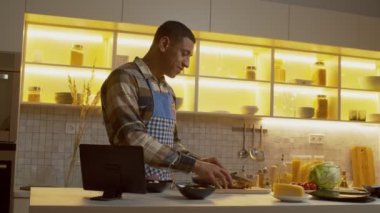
[
  {"x": 252, "y": 190},
  {"x": 363, "y": 170}
]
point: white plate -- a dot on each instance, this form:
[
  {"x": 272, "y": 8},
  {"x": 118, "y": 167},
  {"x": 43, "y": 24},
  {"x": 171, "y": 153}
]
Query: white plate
[{"x": 293, "y": 198}]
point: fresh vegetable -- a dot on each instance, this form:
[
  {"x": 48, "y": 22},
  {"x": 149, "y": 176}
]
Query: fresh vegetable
[{"x": 325, "y": 175}]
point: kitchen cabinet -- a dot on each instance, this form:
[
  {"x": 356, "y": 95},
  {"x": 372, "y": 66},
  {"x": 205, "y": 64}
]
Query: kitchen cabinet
[
  {"x": 195, "y": 14},
  {"x": 110, "y": 10},
  {"x": 369, "y": 33},
  {"x": 227, "y": 73},
  {"x": 250, "y": 17},
  {"x": 323, "y": 27},
  {"x": 47, "y": 67},
  {"x": 11, "y": 25}
]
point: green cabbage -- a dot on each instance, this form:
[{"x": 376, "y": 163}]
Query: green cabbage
[{"x": 325, "y": 175}]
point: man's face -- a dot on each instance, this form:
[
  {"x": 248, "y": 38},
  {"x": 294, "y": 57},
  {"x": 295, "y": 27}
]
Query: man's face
[{"x": 177, "y": 57}]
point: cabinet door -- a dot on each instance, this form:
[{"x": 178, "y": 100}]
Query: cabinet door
[
  {"x": 195, "y": 14},
  {"x": 247, "y": 17},
  {"x": 11, "y": 23},
  {"x": 369, "y": 33},
  {"x": 109, "y": 10},
  {"x": 323, "y": 27}
]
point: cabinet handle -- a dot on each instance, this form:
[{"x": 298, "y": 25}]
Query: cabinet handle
[
  {"x": 4, "y": 76},
  {"x": 3, "y": 166}
]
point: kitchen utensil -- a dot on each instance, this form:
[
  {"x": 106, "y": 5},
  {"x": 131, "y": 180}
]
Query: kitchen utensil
[
  {"x": 253, "y": 151},
  {"x": 260, "y": 156},
  {"x": 243, "y": 153},
  {"x": 363, "y": 170}
]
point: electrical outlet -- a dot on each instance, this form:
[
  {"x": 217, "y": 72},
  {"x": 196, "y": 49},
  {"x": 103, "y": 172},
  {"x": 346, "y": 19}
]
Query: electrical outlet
[
  {"x": 317, "y": 138},
  {"x": 70, "y": 128}
]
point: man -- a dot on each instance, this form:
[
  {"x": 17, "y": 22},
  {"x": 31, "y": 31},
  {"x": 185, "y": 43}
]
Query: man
[{"x": 139, "y": 108}]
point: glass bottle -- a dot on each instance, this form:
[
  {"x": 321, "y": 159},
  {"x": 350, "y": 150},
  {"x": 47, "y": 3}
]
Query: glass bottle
[
  {"x": 322, "y": 106},
  {"x": 343, "y": 181},
  {"x": 251, "y": 73},
  {"x": 76, "y": 58},
  {"x": 34, "y": 94},
  {"x": 279, "y": 71},
  {"x": 320, "y": 73}
]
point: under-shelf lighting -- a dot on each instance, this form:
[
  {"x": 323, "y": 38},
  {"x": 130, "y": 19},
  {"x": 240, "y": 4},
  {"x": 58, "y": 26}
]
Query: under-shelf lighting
[
  {"x": 226, "y": 51},
  {"x": 323, "y": 125},
  {"x": 360, "y": 95},
  {"x": 297, "y": 90},
  {"x": 64, "y": 72},
  {"x": 64, "y": 36},
  {"x": 226, "y": 84},
  {"x": 134, "y": 42},
  {"x": 296, "y": 58},
  {"x": 359, "y": 65}
]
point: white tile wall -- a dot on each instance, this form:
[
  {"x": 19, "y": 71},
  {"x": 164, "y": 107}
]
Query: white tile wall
[{"x": 44, "y": 148}]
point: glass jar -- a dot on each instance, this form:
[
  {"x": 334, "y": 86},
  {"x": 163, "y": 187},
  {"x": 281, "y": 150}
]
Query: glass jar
[
  {"x": 322, "y": 106},
  {"x": 279, "y": 71},
  {"x": 320, "y": 73},
  {"x": 76, "y": 58},
  {"x": 251, "y": 73},
  {"x": 34, "y": 94}
]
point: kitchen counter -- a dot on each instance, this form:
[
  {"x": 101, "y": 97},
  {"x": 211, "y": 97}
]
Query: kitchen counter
[{"x": 76, "y": 200}]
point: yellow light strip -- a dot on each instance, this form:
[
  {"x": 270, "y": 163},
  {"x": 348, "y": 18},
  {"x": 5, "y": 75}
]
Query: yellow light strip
[
  {"x": 359, "y": 95},
  {"x": 225, "y": 84},
  {"x": 226, "y": 51},
  {"x": 65, "y": 36},
  {"x": 296, "y": 58},
  {"x": 359, "y": 65},
  {"x": 324, "y": 125},
  {"x": 135, "y": 42},
  {"x": 297, "y": 90},
  {"x": 64, "y": 72}
]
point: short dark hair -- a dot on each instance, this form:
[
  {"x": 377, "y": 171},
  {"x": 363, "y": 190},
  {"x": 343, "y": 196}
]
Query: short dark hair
[{"x": 175, "y": 30}]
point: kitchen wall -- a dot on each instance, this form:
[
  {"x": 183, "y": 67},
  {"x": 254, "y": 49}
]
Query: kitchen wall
[{"x": 44, "y": 148}]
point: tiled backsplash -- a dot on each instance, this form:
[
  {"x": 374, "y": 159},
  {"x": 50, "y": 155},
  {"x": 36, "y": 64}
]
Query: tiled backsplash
[{"x": 44, "y": 148}]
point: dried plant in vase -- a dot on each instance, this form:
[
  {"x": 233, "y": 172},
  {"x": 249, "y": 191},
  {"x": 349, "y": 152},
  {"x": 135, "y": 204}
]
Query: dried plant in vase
[{"x": 87, "y": 102}]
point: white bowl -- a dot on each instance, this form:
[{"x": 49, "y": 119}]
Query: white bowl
[
  {"x": 251, "y": 110},
  {"x": 370, "y": 82},
  {"x": 305, "y": 112},
  {"x": 373, "y": 117}
]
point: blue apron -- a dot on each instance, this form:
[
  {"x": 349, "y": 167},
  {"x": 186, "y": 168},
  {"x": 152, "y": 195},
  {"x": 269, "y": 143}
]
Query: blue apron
[{"x": 161, "y": 126}]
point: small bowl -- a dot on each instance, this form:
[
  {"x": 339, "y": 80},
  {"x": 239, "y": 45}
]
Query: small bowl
[
  {"x": 370, "y": 82},
  {"x": 305, "y": 112},
  {"x": 157, "y": 186},
  {"x": 250, "y": 110},
  {"x": 195, "y": 191}
]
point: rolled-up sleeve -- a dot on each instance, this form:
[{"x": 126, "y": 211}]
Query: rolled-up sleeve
[{"x": 125, "y": 126}]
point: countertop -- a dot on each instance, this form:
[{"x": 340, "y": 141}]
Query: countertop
[{"x": 63, "y": 200}]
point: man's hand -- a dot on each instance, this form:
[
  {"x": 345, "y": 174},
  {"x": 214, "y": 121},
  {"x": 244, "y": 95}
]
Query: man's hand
[{"x": 211, "y": 171}]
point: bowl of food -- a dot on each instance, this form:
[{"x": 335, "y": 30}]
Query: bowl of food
[
  {"x": 370, "y": 82},
  {"x": 250, "y": 109},
  {"x": 305, "y": 112},
  {"x": 195, "y": 191},
  {"x": 155, "y": 186}
]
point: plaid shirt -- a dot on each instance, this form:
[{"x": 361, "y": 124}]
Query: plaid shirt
[{"x": 127, "y": 105}]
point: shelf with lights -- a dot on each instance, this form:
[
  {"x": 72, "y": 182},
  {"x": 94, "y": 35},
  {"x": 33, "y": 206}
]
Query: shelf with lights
[{"x": 226, "y": 73}]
